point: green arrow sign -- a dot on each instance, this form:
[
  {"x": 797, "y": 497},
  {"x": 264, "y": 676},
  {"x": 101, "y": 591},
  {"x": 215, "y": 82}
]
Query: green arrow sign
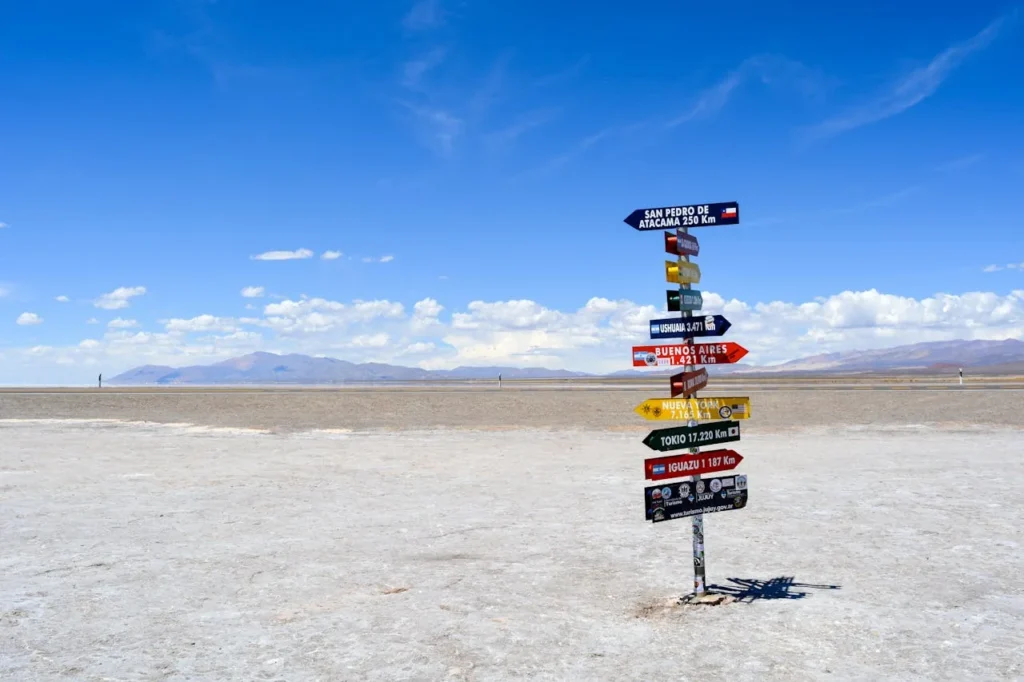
[{"x": 680, "y": 437}]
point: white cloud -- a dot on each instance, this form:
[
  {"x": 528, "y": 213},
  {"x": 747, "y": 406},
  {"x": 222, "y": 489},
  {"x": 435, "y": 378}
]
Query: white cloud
[
  {"x": 252, "y": 292},
  {"x": 318, "y": 315},
  {"x": 118, "y": 298},
  {"x": 298, "y": 254},
  {"x": 331, "y": 255},
  {"x": 119, "y": 323},
  {"x": 913, "y": 88},
  {"x": 1008, "y": 266},
  {"x": 381, "y": 259},
  {"x": 201, "y": 323},
  {"x": 370, "y": 340},
  {"x": 594, "y": 337},
  {"x": 27, "y": 319},
  {"x": 92, "y": 320},
  {"x": 2, "y": 225},
  {"x": 62, "y": 299}
]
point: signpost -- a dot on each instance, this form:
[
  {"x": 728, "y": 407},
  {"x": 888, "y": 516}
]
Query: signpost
[
  {"x": 679, "y": 437},
  {"x": 695, "y": 354},
  {"x": 688, "y": 383},
  {"x": 674, "y": 466},
  {"x": 681, "y": 272},
  {"x": 681, "y": 244},
  {"x": 674, "y": 327},
  {"x": 686, "y": 409},
  {"x": 695, "y": 215},
  {"x": 686, "y": 299},
  {"x": 692, "y": 498},
  {"x": 696, "y": 496}
]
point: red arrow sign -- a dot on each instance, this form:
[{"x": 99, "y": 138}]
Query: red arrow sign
[
  {"x": 684, "y": 354},
  {"x": 657, "y": 468},
  {"x": 681, "y": 244},
  {"x": 688, "y": 383}
]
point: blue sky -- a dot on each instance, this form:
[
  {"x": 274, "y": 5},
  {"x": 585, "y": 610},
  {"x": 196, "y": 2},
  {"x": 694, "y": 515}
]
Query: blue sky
[{"x": 478, "y": 158}]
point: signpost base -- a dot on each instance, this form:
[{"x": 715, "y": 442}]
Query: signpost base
[{"x": 707, "y": 599}]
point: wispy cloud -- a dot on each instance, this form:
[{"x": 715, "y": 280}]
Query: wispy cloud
[
  {"x": 509, "y": 134},
  {"x": 424, "y": 15},
  {"x": 414, "y": 70},
  {"x": 490, "y": 88},
  {"x": 563, "y": 74},
  {"x": 381, "y": 259},
  {"x": 769, "y": 69},
  {"x": 62, "y": 299},
  {"x": 879, "y": 202},
  {"x": 331, "y": 255},
  {"x": 252, "y": 292},
  {"x": 119, "y": 323},
  {"x": 958, "y": 164},
  {"x": 2, "y": 225},
  {"x": 913, "y": 88},
  {"x": 439, "y": 128},
  {"x": 118, "y": 298},
  {"x": 589, "y": 142},
  {"x": 298, "y": 254},
  {"x": 711, "y": 100}
]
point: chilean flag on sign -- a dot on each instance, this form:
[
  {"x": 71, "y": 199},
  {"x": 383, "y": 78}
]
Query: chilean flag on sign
[{"x": 729, "y": 212}]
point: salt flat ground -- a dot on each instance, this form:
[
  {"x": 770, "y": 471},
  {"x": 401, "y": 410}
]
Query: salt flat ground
[{"x": 871, "y": 548}]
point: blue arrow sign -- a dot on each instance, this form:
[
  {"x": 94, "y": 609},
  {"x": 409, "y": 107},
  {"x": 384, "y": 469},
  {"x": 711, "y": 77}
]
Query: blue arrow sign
[{"x": 689, "y": 327}]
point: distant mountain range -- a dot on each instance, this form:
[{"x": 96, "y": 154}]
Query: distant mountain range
[
  {"x": 270, "y": 368},
  {"x": 980, "y": 357}
]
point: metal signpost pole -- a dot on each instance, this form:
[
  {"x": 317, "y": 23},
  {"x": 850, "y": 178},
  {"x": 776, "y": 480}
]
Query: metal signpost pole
[{"x": 698, "y": 520}]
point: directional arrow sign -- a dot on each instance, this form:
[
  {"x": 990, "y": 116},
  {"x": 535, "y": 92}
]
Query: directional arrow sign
[
  {"x": 679, "y": 437},
  {"x": 681, "y": 244},
  {"x": 688, "y": 383},
  {"x": 682, "y": 354},
  {"x": 687, "y": 299},
  {"x": 696, "y": 215},
  {"x": 677, "y": 466},
  {"x": 681, "y": 272},
  {"x": 677, "y": 500},
  {"x": 685, "y": 409},
  {"x": 688, "y": 327}
]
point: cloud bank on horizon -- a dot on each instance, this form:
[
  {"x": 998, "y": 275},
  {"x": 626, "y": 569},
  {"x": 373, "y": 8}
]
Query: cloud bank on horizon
[{"x": 594, "y": 337}]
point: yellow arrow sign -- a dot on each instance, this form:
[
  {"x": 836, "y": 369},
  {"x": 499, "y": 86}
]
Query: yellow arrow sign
[
  {"x": 681, "y": 272},
  {"x": 674, "y": 409}
]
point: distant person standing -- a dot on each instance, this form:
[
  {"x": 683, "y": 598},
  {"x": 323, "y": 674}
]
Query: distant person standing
[
  {"x": 100, "y": 381},
  {"x": 499, "y": 380},
  {"x": 961, "y": 376}
]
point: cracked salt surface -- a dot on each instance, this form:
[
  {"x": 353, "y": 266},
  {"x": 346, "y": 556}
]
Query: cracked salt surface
[{"x": 134, "y": 551}]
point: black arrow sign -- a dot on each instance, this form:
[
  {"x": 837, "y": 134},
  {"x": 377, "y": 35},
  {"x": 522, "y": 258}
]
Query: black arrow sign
[
  {"x": 676, "y": 500},
  {"x": 689, "y": 327},
  {"x": 695, "y": 215},
  {"x": 680, "y": 437}
]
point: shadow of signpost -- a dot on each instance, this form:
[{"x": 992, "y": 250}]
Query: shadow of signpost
[{"x": 750, "y": 590}]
